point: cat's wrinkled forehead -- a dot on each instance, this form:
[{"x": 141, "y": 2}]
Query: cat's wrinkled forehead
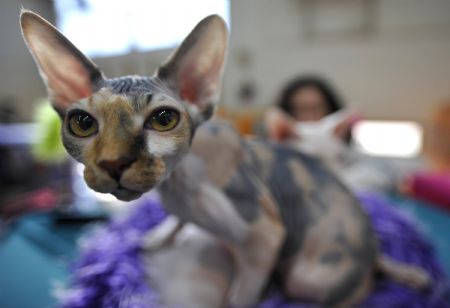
[{"x": 140, "y": 91}]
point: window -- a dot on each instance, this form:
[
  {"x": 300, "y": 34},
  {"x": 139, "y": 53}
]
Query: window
[
  {"x": 388, "y": 138},
  {"x": 106, "y": 27}
]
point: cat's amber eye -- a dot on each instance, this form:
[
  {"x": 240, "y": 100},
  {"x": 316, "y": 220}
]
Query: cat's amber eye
[
  {"x": 162, "y": 120},
  {"x": 82, "y": 124}
]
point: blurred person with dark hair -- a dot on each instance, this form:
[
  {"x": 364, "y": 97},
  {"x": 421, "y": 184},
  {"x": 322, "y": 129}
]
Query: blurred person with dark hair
[
  {"x": 304, "y": 99},
  {"x": 310, "y": 116},
  {"x": 309, "y": 99}
]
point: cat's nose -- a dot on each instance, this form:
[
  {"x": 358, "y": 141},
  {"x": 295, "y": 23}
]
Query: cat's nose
[{"x": 116, "y": 167}]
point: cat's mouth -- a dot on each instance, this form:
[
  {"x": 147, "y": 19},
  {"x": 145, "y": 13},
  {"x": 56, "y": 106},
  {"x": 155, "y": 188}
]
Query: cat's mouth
[
  {"x": 126, "y": 194},
  {"x": 130, "y": 186}
]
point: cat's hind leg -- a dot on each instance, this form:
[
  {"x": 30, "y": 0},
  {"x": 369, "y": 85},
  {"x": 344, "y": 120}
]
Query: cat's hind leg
[
  {"x": 329, "y": 269},
  {"x": 333, "y": 285}
]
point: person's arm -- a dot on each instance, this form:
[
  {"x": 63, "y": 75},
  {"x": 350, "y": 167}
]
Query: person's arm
[{"x": 280, "y": 126}]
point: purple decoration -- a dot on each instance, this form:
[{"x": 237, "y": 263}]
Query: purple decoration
[{"x": 109, "y": 274}]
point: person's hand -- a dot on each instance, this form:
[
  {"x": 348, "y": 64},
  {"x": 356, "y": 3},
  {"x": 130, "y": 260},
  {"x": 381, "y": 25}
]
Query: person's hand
[
  {"x": 343, "y": 128},
  {"x": 280, "y": 126}
]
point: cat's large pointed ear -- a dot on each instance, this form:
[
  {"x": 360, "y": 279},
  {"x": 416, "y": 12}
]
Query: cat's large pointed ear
[
  {"x": 68, "y": 74},
  {"x": 194, "y": 71}
]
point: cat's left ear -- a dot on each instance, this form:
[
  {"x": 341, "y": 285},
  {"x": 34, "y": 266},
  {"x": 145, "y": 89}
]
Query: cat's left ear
[
  {"x": 195, "y": 70},
  {"x": 68, "y": 74}
]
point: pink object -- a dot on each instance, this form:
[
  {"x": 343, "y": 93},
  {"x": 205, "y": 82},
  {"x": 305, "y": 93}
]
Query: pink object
[
  {"x": 38, "y": 200},
  {"x": 43, "y": 199},
  {"x": 432, "y": 187}
]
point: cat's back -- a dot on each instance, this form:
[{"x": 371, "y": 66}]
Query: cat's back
[
  {"x": 305, "y": 191},
  {"x": 309, "y": 195},
  {"x": 220, "y": 148},
  {"x": 289, "y": 173}
]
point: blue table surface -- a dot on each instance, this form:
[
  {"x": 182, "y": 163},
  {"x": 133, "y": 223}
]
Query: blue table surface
[{"x": 34, "y": 257}]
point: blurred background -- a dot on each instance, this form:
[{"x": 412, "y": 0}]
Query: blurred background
[{"x": 387, "y": 59}]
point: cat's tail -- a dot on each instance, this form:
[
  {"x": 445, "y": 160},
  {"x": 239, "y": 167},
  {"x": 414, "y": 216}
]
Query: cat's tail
[{"x": 408, "y": 275}]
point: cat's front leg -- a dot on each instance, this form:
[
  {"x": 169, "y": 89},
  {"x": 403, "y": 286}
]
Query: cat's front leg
[
  {"x": 254, "y": 243},
  {"x": 256, "y": 257},
  {"x": 189, "y": 195}
]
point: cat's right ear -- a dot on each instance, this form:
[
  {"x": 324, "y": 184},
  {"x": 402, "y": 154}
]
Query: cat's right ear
[
  {"x": 194, "y": 71},
  {"x": 68, "y": 74}
]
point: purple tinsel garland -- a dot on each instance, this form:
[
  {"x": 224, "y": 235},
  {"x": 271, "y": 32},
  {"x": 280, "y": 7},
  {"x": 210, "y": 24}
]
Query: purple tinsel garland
[{"x": 110, "y": 274}]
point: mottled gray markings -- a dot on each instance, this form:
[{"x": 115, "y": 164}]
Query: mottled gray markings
[
  {"x": 140, "y": 90},
  {"x": 149, "y": 97},
  {"x": 216, "y": 259},
  {"x": 127, "y": 84},
  {"x": 331, "y": 258},
  {"x": 289, "y": 196},
  {"x": 347, "y": 286},
  {"x": 244, "y": 193},
  {"x": 214, "y": 129},
  {"x": 124, "y": 119},
  {"x": 73, "y": 148}
]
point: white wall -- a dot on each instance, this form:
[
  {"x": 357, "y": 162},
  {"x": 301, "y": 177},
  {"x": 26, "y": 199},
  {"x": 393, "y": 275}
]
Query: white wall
[
  {"x": 397, "y": 70},
  {"x": 18, "y": 74}
]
